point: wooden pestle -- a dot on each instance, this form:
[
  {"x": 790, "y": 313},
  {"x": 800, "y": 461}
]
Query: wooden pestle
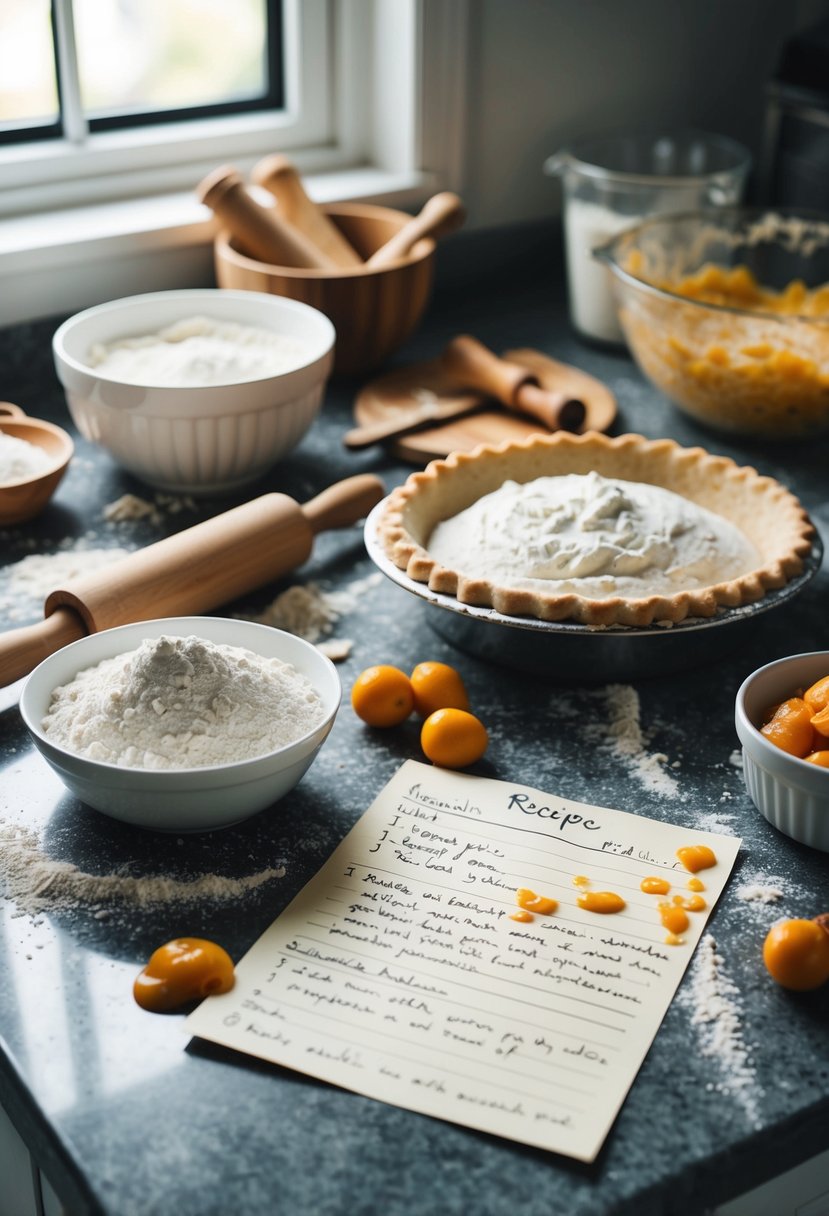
[
  {"x": 259, "y": 230},
  {"x": 278, "y": 175},
  {"x": 442, "y": 214},
  {"x": 473, "y": 365},
  {"x": 194, "y": 571}
]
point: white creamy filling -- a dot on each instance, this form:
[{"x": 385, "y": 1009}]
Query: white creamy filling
[
  {"x": 591, "y": 536},
  {"x": 197, "y": 352}
]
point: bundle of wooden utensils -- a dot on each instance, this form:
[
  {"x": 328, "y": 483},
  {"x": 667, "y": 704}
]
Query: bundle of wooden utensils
[
  {"x": 368, "y": 268},
  {"x": 298, "y": 233}
]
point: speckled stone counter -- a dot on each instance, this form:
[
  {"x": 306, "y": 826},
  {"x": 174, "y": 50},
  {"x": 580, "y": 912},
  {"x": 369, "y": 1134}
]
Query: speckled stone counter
[{"x": 128, "y": 1118}]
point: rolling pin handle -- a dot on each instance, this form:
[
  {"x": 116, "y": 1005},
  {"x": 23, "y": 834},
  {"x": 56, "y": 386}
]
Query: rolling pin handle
[
  {"x": 22, "y": 649},
  {"x": 345, "y": 503}
]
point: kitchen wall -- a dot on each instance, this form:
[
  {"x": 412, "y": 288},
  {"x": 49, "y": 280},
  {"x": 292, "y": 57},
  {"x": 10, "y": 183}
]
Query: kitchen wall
[{"x": 541, "y": 72}]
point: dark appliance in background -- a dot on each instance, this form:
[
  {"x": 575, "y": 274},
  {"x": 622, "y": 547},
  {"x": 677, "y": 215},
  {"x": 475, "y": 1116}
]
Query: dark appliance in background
[{"x": 794, "y": 169}]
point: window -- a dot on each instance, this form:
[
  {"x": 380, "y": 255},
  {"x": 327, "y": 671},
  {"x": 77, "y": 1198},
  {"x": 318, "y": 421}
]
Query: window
[
  {"x": 78, "y": 66},
  {"x": 366, "y": 96},
  {"x": 132, "y": 101}
]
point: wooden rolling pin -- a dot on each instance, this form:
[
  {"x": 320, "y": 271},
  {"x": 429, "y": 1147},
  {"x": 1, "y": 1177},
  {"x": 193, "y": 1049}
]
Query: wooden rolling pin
[
  {"x": 278, "y": 175},
  {"x": 442, "y": 214},
  {"x": 470, "y": 365},
  {"x": 198, "y": 569},
  {"x": 259, "y": 230}
]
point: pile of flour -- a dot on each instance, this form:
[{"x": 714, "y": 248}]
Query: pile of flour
[
  {"x": 20, "y": 459},
  {"x": 199, "y": 351},
  {"x": 182, "y": 703}
]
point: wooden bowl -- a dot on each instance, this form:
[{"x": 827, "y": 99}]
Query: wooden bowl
[
  {"x": 374, "y": 309},
  {"x": 23, "y": 500}
]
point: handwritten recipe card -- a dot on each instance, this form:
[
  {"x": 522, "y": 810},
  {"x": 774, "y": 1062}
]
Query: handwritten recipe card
[{"x": 400, "y": 973}]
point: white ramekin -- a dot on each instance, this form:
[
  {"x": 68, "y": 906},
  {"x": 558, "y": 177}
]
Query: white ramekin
[{"x": 791, "y": 793}]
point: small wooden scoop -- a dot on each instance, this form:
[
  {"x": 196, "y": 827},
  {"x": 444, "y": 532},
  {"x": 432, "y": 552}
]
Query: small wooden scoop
[
  {"x": 198, "y": 569},
  {"x": 472, "y": 366},
  {"x": 442, "y": 214},
  {"x": 278, "y": 175},
  {"x": 259, "y": 230}
]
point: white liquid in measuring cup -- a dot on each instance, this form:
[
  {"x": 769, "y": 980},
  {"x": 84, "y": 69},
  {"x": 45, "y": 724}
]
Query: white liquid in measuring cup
[{"x": 590, "y": 284}]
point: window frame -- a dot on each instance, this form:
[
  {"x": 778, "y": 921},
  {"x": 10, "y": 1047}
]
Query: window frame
[{"x": 389, "y": 128}]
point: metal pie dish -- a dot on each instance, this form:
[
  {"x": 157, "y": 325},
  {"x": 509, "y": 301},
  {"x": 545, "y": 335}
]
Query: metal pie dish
[
  {"x": 569, "y": 652},
  {"x": 193, "y": 799}
]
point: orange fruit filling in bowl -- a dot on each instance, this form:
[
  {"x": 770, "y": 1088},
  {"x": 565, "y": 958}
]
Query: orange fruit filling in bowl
[{"x": 800, "y": 724}]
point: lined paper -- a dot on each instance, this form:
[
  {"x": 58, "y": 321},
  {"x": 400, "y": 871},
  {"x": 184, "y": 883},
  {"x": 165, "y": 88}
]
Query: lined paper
[{"x": 399, "y": 973}]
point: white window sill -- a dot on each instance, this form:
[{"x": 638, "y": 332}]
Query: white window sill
[{"x": 60, "y": 261}]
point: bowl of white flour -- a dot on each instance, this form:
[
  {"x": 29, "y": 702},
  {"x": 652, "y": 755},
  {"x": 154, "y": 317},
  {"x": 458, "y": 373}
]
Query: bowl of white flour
[
  {"x": 197, "y": 391},
  {"x": 184, "y": 724}
]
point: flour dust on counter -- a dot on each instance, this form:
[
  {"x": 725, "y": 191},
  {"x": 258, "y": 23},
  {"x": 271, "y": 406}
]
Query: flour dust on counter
[
  {"x": 311, "y": 612},
  {"x": 452, "y": 957},
  {"x": 34, "y": 576},
  {"x": 36, "y": 882},
  {"x": 130, "y": 507},
  {"x": 715, "y": 1005},
  {"x": 620, "y": 732}
]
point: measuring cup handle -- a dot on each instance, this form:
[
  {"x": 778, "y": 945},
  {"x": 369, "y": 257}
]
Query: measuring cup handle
[
  {"x": 7, "y": 410},
  {"x": 556, "y": 164}
]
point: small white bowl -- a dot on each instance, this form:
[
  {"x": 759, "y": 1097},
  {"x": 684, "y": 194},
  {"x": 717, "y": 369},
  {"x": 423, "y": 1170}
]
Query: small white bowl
[
  {"x": 791, "y": 793},
  {"x": 207, "y": 439},
  {"x": 182, "y": 800}
]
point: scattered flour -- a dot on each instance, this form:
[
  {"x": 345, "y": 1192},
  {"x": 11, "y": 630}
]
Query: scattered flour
[
  {"x": 39, "y": 573},
  {"x": 759, "y": 894},
  {"x": 311, "y": 613},
  {"x": 623, "y": 736},
  {"x": 717, "y": 822},
  {"x": 20, "y": 459},
  {"x": 736, "y": 758},
  {"x": 336, "y": 649},
  {"x": 182, "y": 703},
  {"x": 716, "y": 1014},
  {"x": 130, "y": 507},
  {"x": 35, "y": 881},
  {"x": 762, "y": 891}
]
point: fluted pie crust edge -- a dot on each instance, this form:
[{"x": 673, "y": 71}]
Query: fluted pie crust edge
[{"x": 769, "y": 515}]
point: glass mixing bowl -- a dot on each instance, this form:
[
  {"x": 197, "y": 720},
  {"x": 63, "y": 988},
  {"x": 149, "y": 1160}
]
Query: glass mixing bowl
[{"x": 727, "y": 312}]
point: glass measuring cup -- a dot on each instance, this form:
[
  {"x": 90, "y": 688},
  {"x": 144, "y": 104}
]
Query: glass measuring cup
[{"x": 612, "y": 182}]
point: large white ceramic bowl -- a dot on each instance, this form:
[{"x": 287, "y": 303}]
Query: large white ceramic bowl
[
  {"x": 791, "y": 793},
  {"x": 195, "y": 440},
  {"x": 182, "y": 800}
]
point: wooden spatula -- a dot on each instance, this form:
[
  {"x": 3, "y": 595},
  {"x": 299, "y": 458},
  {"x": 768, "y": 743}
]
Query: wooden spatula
[{"x": 474, "y": 371}]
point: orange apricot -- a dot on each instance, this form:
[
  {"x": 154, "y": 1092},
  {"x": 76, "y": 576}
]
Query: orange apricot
[
  {"x": 791, "y": 727},
  {"x": 821, "y": 759},
  {"x": 437, "y": 686},
  {"x": 453, "y": 738},
  {"x": 820, "y": 722},
  {"x": 817, "y": 695},
  {"x": 796, "y": 954},
  {"x": 182, "y": 971},
  {"x": 382, "y": 695}
]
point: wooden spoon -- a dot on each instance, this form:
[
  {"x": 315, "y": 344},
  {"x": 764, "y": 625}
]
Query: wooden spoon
[
  {"x": 442, "y": 214},
  {"x": 279, "y": 176}
]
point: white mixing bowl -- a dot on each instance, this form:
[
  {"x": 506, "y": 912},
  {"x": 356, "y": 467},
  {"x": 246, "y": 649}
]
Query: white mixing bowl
[
  {"x": 202, "y": 439},
  {"x": 182, "y": 800}
]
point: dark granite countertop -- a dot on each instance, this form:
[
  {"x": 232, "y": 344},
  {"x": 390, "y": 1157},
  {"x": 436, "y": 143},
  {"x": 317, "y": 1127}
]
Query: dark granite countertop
[{"x": 128, "y": 1119}]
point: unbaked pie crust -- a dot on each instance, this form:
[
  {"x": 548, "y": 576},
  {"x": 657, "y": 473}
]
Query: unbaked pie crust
[{"x": 769, "y": 515}]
